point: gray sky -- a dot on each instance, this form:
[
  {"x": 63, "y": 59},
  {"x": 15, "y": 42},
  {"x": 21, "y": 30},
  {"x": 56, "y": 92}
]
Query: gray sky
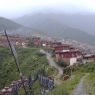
[{"x": 16, "y": 8}]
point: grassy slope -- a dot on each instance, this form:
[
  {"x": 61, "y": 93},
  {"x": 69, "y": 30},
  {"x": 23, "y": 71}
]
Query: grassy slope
[
  {"x": 30, "y": 62},
  {"x": 67, "y": 87},
  {"x": 89, "y": 82}
]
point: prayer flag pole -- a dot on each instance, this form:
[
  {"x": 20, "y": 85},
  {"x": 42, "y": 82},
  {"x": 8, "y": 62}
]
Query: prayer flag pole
[{"x": 13, "y": 51}]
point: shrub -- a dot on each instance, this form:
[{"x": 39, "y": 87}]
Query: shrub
[{"x": 62, "y": 63}]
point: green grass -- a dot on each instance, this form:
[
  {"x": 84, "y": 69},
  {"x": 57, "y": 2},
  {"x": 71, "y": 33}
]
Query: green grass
[
  {"x": 6, "y": 68},
  {"x": 67, "y": 87},
  {"x": 30, "y": 62},
  {"x": 89, "y": 83}
]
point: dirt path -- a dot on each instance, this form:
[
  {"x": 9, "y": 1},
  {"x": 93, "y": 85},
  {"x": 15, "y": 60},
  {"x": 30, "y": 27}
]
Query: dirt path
[
  {"x": 52, "y": 62},
  {"x": 80, "y": 88}
]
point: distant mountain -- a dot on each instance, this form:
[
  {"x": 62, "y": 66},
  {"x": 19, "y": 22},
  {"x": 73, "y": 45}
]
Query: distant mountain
[
  {"x": 84, "y": 22},
  {"x": 17, "y": 29},
  {"x": 53, "y": 27},
  {"x": 8, "y": 24}
]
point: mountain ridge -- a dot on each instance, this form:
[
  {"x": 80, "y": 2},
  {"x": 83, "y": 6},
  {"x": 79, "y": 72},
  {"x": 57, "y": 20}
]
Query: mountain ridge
[
  {"x": 54, "y": 28},
  {"x": 14, "y": 28}
]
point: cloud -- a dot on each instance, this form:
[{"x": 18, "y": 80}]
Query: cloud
[
  {"x": 16, "y": 4},
  {"x": 7, "y": 7}
]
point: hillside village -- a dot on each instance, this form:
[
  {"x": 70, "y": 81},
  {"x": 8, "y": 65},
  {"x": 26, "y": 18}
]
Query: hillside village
[
  {"x": 66, "y": 52},
  {"x": 63, "y": 52},
  {"x": 17, "y": 41},
  {"x": 47, "y": 47}
]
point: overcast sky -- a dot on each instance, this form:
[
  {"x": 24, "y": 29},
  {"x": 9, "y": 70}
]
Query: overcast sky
[{"x": 16, "y": 8}]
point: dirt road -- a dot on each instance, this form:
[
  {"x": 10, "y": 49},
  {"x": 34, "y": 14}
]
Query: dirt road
[{"x": 80, "y": 90}]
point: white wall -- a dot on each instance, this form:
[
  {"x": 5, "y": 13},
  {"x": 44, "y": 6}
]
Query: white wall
[{"x": 73, "y": 61}]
